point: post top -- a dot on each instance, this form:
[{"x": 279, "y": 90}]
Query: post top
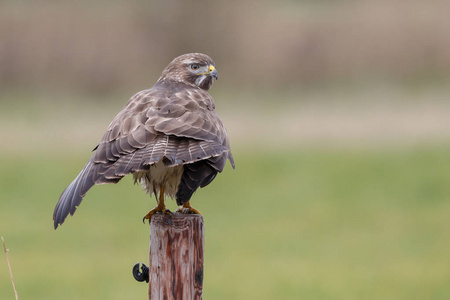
[{"x": 175, "y": 219}]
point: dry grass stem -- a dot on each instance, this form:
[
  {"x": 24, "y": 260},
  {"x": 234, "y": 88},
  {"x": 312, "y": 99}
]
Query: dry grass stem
[{"x": 9, "y": 266}]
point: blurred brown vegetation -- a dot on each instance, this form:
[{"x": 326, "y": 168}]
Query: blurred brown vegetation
[{"x": 108, "y": 45}]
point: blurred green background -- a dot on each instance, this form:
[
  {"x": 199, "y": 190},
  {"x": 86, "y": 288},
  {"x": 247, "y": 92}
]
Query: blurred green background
[{"x": 339, "y": 118}]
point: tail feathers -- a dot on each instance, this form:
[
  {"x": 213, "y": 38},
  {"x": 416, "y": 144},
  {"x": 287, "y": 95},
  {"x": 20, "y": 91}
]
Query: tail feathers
[{"x": 71, "y": 197}]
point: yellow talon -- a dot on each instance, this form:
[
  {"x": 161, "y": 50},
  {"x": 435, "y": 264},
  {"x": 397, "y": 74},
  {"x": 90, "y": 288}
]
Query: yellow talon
[
  {"x": 188, "y": 209},
  {"x": 160, "y": 208}
]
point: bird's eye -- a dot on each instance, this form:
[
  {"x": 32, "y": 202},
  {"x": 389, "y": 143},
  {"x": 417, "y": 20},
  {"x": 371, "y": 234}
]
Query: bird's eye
[{"x": 194, "y": 67}]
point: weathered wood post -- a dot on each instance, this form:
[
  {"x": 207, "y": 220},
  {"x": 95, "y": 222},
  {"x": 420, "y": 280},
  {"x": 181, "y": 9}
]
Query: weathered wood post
[{"x": 176, "y": 257}]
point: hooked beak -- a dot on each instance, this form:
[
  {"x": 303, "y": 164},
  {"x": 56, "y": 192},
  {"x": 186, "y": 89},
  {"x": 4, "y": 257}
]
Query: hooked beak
[{"x": 213, "y": 72}]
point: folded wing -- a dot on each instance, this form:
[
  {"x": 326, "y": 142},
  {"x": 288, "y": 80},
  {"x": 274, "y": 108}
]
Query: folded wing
[{"x": 177, "y": 124}]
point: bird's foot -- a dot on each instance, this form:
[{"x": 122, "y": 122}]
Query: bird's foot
[
  {"x": 159, "y": 209},
  {"x": 187, "y": 209}
]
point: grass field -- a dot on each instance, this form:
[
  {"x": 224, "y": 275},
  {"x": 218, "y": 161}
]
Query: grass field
[
  {"x": 338, "y": 114},
  {"x": 305, "y": 224}
]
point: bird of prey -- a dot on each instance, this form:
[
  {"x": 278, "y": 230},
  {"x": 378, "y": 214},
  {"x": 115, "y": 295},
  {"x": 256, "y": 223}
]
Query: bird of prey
[{"x": 169, "y": 137}]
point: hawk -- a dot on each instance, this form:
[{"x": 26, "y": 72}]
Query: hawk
[{"x": 169, "y": 137}]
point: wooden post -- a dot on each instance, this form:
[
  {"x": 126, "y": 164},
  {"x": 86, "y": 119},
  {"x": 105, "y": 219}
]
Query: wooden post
[{"x": 176, "y": 257}]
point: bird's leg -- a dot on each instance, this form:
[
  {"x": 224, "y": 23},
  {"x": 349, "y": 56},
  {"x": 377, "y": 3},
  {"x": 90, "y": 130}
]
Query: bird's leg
[
  {"x": 187, "y": 209},
  {"x": 160, "y": 207}
]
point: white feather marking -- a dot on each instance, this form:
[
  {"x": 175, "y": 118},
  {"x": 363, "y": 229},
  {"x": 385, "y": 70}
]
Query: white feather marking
[
  {"x": 158, "y": 145},
  {"x": 200, "y": 79},
  {"x": 190, "y": 153},
  {"x": 203, "y": 149},
  {"x": 130, "y": 160},
  {"x": 160, "y": 175},
  {"x": 151, "y": 154}
]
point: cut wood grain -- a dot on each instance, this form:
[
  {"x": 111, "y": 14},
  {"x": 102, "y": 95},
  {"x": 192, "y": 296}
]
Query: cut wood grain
[{"x": 176, "y": 257}]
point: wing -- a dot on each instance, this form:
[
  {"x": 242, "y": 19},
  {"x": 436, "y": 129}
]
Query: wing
[
  {"x": 171, "y": 121},
  {"x": 198, "y": 174}
]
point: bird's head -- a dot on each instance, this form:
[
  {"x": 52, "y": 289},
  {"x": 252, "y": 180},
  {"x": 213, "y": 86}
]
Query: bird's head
[{"x": 194, "y": 69}]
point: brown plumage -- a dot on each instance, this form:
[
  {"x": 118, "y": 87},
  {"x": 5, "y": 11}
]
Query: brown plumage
[{"x": 169, "y": 137}]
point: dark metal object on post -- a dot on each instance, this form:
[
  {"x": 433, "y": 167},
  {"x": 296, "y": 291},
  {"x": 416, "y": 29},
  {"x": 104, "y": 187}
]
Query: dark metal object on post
[{"x": 138, "y": 275}]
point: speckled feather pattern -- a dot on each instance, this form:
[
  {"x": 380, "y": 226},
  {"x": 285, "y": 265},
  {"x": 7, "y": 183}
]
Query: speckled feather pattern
[{"x": 172, "y": 125}]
